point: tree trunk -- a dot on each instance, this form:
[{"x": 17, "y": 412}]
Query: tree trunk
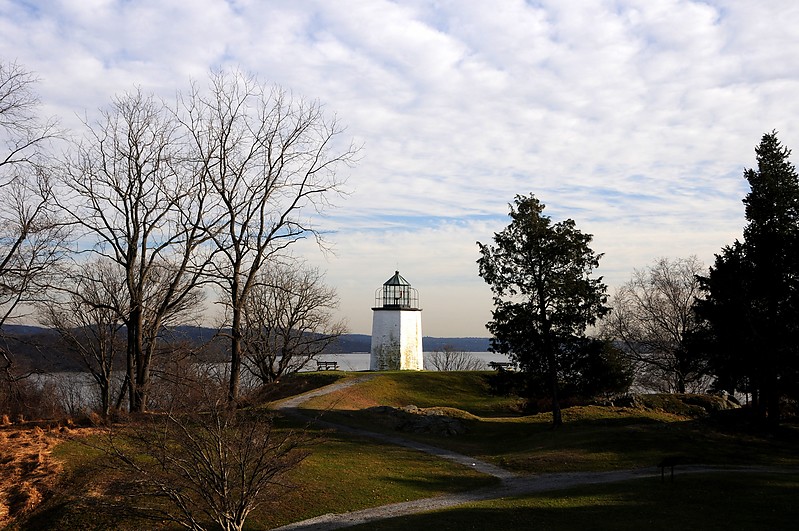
[
  {"x": 235, "y": 354},
  {"x": 557, "y": 417},
  {"x": 123, "y": 391},
  {"x": 140, "y": 373},
  {"x": 105, "y": 397},
  {"x": 680, "y": 383},
  {"x": 773, "y": 410},
  {"x": 771, "y": 399},
  {"x": 130, "y": 377}
]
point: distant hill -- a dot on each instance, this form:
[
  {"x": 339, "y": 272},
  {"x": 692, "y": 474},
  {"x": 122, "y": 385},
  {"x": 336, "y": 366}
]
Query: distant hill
[{"x": 466, "y": 344}]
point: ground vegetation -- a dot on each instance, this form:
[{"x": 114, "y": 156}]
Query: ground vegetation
[{"x": 448, "y": 358}]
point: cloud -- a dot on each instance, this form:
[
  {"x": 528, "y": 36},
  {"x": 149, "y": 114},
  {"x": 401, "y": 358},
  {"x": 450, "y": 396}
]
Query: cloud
[{"x": 635, "y": 118}]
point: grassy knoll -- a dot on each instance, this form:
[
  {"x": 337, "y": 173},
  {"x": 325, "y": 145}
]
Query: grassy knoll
[
  {"x": 717, "y": 501},
  {"x": 467, "y": 390},
  {"x": 592, "y": 438},
  {"x": 294, "y": 385}
]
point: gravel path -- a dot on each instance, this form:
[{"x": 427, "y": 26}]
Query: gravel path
[
  {"x": 511, "y": 487},
  {"x": 511, "y": 484}
]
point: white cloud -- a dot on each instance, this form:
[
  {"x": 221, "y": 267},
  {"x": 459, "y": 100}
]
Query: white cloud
[{"x": 635, "y": 118}]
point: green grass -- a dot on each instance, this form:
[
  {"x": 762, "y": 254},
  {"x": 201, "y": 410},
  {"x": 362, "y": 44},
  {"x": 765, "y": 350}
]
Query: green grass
[
  {"x": 342, "y": 473},
  {"x": 86, "y": 498},
  {"x": 468, "y": 390},
  {"x": 717, "y": 501},
  {"x": 345, "y": 473},
  {"x": 592, "y": 437},
  {"x": 293, "y": 385},
  {"x": 595, "y": 438}
]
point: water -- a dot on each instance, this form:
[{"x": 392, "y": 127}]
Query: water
[
  {"x": 77, "y": 391},
  {"x": 359, "y": 361}
]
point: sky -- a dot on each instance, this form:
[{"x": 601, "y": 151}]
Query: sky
[{"x": 634, "y": 118}]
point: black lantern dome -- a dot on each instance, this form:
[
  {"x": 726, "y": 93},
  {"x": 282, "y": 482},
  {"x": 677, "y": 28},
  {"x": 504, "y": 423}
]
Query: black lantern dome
[{"x": 397, "y": 293}]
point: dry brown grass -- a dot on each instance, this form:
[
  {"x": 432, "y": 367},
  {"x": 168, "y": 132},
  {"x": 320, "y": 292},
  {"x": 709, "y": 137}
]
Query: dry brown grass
[
  {"x": 350, "y": 399},
  {"x": 27, "y": 470}
]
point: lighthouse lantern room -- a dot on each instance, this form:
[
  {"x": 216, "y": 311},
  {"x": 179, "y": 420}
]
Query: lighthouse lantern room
[{"x": 396, "y": 327}]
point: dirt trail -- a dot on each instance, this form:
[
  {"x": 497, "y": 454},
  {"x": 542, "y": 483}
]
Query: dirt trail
[{"x": 511, "y": 484}]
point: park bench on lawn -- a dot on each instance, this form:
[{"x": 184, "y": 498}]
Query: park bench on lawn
[
  {"x": 670, "y": 462},
  {"x": 326, "y": 365},
  {"x": 501, "y": 366}
]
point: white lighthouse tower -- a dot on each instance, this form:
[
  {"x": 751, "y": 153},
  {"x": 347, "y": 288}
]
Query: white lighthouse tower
[{"x": 396, "y": 327}]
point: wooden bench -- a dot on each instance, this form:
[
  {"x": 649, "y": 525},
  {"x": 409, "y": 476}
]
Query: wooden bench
[
  {"x": 501, "y": 366},
  {"x": 669, "y": 462},
  {"x": 326, "y": 365}
]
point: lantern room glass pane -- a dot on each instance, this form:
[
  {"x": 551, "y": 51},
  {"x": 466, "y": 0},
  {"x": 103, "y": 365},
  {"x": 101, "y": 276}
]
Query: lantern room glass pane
[{"x": 394, "y": 295}]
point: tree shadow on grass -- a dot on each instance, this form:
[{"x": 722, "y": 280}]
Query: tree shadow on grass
[
  {"x": 441, "y": 483},
  {"x": 696, "y": 501}
]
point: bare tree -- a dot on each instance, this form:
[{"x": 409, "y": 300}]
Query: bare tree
[
  {"x": 288, "y": 320},
  {"x": 210, "y": 461},
  {"x": 653, "y": 318},
  {"x": 87, "y": 311},
  {"x": 140, "y": 204},
  {"x": 271, "y": 160},
  {"x": 448, "y": 358},
  {"x": 31, "y": 235},
  {"x": 24, "y": 135}
]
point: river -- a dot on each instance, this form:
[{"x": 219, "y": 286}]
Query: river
[{"x": 76, "y": 391}]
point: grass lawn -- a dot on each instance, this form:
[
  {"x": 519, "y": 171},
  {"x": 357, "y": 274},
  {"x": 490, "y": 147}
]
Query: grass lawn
[
  {"x": 592, "y": 437},
  {"x": 345, "y": 473},
  {"x": 467, "y": 390},
  {"x": 717, "y": 501},
  {"x": 341, "y": 474}
]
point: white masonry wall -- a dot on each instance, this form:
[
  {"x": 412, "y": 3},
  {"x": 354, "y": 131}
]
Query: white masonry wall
[{"x": 396, "y": 340}]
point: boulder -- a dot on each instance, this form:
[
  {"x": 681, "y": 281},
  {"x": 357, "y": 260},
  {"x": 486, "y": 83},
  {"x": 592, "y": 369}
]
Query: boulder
[{"x": 413, "y": 419}]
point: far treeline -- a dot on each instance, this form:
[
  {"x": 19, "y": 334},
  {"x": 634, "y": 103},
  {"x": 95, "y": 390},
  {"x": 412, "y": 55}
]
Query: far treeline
[
  {"x": 675, "y": 326},
  {"x": 42, "y": 350}
]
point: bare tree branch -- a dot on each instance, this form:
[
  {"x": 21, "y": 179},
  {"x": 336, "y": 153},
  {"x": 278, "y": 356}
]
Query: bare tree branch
[
  {"x": 86, "y": 309},
  {"x": 448, "y": 358},
  {"x": 32, "y": 236},
  {"x": 271, "y": 161},
  {"x": 653, "y": 317},
  {"x": 288, "y": 321},
  {"x": 210, "y": 461},
  {"x": 140, "y": 203}
]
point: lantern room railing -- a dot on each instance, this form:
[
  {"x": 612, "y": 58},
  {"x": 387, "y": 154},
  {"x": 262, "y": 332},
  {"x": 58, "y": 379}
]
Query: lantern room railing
[{"x": 393, "y": 296}]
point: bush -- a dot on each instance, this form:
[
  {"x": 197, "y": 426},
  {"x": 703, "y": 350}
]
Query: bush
[{"x": 448, "y": 358}]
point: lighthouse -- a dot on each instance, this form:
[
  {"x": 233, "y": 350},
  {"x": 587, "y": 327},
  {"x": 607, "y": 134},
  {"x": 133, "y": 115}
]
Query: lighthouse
[{"x": 396, "y": 327}]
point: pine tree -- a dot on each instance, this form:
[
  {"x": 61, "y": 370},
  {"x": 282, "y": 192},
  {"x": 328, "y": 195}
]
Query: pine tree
[
  {"x": 544, "y": 295},
  {"x": 753, "y": 288}
]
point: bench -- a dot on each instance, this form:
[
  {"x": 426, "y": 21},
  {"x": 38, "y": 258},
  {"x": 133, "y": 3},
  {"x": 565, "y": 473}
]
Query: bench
[
  {"x": 326, "y": 365},
  {"x": 669, "y": 462},
  {"x": 501, "y": 366}
]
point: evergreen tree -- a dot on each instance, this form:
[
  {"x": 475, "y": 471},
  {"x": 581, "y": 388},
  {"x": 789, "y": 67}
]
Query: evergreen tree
[
  {"x": 544, "y": 295},
  {"x": 752, "y": 302}
]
